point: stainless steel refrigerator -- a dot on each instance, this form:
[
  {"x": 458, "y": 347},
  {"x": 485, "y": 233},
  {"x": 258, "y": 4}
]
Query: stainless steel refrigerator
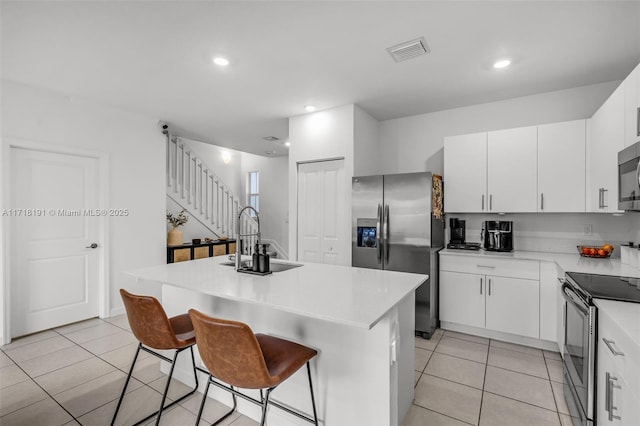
[{"x": 397, "y": 227}]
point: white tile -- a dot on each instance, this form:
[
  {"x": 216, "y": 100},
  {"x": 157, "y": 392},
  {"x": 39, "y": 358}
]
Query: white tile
[
  {"x": 5, "y": 361},
  {"x": 40, "y": 347},
  {"x": 419, "y": 416},
  {"x": 20, "y": 395},
  {"x": 427, "y": 344},
  {"x": 555, "y": 369},
  {"x": 463, "y": 349},
  {"x": 136, "y": 405},
  {"x": 522, "y": 387},
  {"x": 518, "y": 361},
  {"x": 458, "y": 370},
  {"x": 68, "y": 377},
  {"x": 500, "y": 411},
  {"x": 452, "y": 399},
  {"x": 213, "y": 409},
  {"x": 421, "y": 357},
  {"x": 552, "y": 355},
  {"x": 65, "y": 329},
  {"x": 46, "y": 363},
  {"x": 21, "y": 341},
  {"x": 517, "y": 348},
  {"x": 96, "y": 331},
  {"x": 109, "y": 343},
  {"x": 558, "y": 394},
  {"x": 464, "y": 336},
  {"x": 45, "y": 412},
  {"x": 93, "y": 394},
  {"x": 11, "y": 375},
  {"x": 123, "y": 357}
]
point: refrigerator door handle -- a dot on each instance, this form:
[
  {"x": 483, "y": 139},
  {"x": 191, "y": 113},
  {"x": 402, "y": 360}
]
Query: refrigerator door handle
[
  {"x": 386, "y": 233},
  {"x": 378, "y": 239}
]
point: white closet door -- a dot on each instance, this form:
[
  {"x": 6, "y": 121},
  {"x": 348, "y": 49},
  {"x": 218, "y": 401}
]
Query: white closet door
[{"x": 322, "y": 225}]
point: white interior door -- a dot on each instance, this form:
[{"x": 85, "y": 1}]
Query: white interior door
[
  {"x": 322, "y": 225},
  {"x": 54, "y": 270}
]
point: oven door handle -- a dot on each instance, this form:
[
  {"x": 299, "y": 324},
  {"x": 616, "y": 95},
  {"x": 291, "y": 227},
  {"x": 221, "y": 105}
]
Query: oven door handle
[{"x": 571, "y": 296}]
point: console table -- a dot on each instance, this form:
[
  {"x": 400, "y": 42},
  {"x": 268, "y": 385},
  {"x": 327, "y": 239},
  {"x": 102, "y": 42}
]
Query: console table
[{"x": 190, "y": 251}]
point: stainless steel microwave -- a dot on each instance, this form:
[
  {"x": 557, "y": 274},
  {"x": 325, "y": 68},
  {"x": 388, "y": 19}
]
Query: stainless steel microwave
[{"x": 629, "y": 178}]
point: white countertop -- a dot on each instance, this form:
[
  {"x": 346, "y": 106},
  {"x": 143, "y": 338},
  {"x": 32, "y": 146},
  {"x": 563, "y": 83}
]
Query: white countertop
[
  {"x": 350, "y": 296},
  {"x": 567, "y": 261}
]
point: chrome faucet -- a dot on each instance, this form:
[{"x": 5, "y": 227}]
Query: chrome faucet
[{"x": 239, "y": 235}]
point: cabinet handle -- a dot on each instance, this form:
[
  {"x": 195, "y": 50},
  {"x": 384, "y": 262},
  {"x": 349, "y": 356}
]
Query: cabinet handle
[
  {"x": 482, "y": 202},
  {"x": 541, "y": 201},
  {"x": 609, "y": 397},
  {"x": 610, "y": 344},
  {"x": 638, "y": 123},
  {"x": 480, "y": 285},
  {"x": 599, "y": 198},
  {"x": 486, "y": 266},
  {"x": 489, "y": 286},
  {"x": 490, "y": 202},
  {"x": 604, "y": 206}
]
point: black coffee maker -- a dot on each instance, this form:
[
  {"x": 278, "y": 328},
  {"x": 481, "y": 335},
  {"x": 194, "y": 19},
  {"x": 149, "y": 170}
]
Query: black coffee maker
[
  {"x": 497, "y": 235},
  {"x": 457, "y": 236}
]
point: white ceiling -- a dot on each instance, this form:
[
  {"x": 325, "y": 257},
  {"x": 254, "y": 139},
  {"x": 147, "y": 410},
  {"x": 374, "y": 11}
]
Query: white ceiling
[{"x": 154, "y": 57}]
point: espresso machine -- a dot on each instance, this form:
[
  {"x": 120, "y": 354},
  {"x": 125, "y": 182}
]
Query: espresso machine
[
  {"x": 457, "y": 236},
  {"x": 497, "y": 235}
]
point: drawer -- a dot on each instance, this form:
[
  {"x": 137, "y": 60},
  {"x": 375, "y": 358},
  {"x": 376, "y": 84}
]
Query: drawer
[
  {"x": 513, "y": 268},
  {"x": 627, "y": 365}
]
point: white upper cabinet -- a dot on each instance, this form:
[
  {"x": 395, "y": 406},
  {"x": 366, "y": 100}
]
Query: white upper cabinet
[
  {"x": 561, "y": 167},
  {"x": 465, "y": 173},
  {"x": 631, "y": 88},
  {"x": 606, "y": 138},
  {"x": 512, "y": 170}
]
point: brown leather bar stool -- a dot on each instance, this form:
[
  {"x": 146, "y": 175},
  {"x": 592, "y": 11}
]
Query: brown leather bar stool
[
  {"x": 237, "y": 356},
  {"x": 154, "y": 330}
]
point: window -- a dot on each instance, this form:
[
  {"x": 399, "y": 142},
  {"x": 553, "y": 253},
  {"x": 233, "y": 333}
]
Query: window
[{"x": 254, "y": 191}]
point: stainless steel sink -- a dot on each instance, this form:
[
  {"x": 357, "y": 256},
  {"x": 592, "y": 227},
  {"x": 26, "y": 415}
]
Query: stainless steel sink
[{"x": 274, "y": 267}]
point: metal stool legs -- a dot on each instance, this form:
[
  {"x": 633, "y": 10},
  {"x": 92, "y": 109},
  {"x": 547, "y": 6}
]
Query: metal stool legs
[
  {"x": 166, "y": 389},
  {"x": 264, "y": 401},
  {"x": 204, "y": 399}
]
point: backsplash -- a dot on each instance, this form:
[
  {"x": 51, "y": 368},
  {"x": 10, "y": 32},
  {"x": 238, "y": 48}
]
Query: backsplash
[{"x": 558, "y": 232}]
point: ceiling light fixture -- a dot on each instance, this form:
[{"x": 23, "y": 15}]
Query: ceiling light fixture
[
  {"x": 287, "y": 144},
  {"x": 309, "y": 108},
  {"x": 502, "y": 63},
  {"x": 223, "y": 62}
]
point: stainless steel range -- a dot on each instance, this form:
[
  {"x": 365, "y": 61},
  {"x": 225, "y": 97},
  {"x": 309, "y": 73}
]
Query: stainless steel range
[{"x": 581, "y": 334}]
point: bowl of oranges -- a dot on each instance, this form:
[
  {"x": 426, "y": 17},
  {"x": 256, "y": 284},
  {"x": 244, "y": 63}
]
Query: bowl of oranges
[{"x": 599, "y": 252}]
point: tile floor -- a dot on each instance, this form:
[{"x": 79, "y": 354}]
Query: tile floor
[
  {"x": 462, "y": 379},
  {"x": 74, "y": 375}
]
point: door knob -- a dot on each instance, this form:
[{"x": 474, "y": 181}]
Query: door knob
[{"x": 92, "y": 246}]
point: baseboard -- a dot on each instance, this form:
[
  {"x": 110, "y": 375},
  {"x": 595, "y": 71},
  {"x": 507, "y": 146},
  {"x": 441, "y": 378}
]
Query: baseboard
[
  {"x": 117, "y": 311},
  {"x": 504, "y": 337}
]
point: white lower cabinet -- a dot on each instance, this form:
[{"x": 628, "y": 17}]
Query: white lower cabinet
[
  {"x": 462, "y": 298},
  {"x": 618, "y": 376},
  {"x": 505, "y": 298},
  {"x": 512, "y": 306}
]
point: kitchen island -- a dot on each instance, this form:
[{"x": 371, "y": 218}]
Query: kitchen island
[{"x": 360, "y": 320}]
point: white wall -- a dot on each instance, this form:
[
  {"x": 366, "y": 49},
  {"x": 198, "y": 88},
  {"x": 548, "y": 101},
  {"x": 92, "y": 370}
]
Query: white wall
[
  {"x": 318, "y": 136},
  {"x": 136, "y": 152},
  {"x": 366, "y": 144},
  {"x": 412, "y": 144},
  {"x": 274, "y": 197}
]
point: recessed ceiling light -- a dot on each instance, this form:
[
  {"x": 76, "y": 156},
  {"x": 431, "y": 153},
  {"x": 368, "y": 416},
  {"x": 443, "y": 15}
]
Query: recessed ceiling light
[
  {"x": 287, "y": 144},
  {"x": 502, "y": 63},
  {"x": 272, "y": 152},
  {"x": 223, "y": 62},
  {"x": 309, "y": 108}
]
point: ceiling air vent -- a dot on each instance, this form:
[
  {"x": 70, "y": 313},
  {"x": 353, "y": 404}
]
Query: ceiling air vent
[
  {"x": 409, "y": 49},
  {"x": 271, "y": 138}
]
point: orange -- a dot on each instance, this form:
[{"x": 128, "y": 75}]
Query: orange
[
  {"x": 602, "y": 252},
  {"x": 607, "y": 247}
]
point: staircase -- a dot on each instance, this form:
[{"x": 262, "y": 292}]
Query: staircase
[{"x": 193, "y": 186}]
